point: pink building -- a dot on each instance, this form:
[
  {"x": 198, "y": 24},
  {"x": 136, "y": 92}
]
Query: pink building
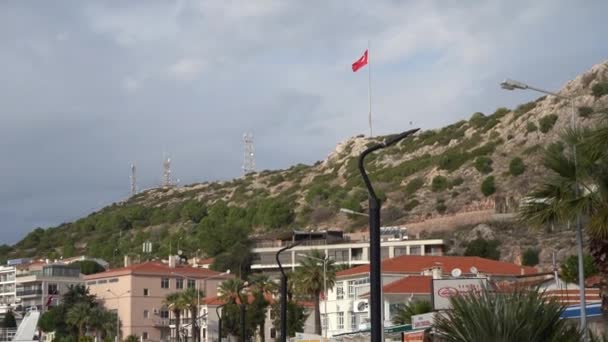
[{"x": 138, "y": 291}]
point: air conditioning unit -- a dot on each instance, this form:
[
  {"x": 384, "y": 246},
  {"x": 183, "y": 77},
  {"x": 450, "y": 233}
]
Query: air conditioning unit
[{"x": 360, "y": 305}]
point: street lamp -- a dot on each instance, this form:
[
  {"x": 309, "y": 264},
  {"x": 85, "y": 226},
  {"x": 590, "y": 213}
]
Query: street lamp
[
  {"x": 283, "y": 337},
  {"x": 375, "y": 276},
  {"x": 509, "y": 84},
  {"x": 324, "y": 261},
  {"x": 198, "y": 292},
  {"x": 117, "y": 311},
  {"x": 219, "y": 321},
  {"x": 352, "y": 212}
]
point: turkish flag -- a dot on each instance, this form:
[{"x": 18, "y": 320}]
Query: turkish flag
[{"x": 361, "y": 62}]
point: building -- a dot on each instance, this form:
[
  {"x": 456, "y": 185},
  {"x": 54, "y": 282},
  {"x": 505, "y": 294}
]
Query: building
[
  {"x": 7, "y": 289},
  {"x": 137, "y": 293},
  {"x": 337, "y": 246},
  {"x": 404, "y": 278},
  {"x": 40, "y": 284}
]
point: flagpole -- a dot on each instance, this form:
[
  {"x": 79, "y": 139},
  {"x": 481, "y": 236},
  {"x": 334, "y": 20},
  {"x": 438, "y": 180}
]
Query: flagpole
[{"x": 369, "y": 88}]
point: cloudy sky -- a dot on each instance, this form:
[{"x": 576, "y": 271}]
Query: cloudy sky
[{"x": 89, "y": 87}]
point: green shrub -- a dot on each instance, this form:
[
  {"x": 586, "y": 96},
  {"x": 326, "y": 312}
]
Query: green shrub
[
  {"x": 585, "y": 112},
  {"x": 412, "y": 186},
  {"x": 488, "y": 187},
  {"x": 411, "y": 205},
  {"x": 483, "y": 248},
  {"x": 500, "y": 112},
  {"x": 600, "y": 89},
  {"x": 494, "y": 135},
  {"x": 440, "y": 206},
  {"x": 531, "y": 127},
  {"x": 483, "y": 164},
  {"x": 546, "y": 122},
  {"x": 477, "y": 119},
  {"x": 439, "y": 183},
  {"x": 531, "y": 149},
  {"x": 456, "y": 182},
  {"x": 530, "y": 257},
  {"x": 524, "y": 108},
  {"x": 516, "y": 166}
]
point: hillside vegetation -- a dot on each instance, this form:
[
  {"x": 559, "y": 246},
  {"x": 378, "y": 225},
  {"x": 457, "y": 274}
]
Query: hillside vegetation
[{"x": 436, "y": 172}]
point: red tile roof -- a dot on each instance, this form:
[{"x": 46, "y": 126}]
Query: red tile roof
[
  {"x": 409, "y": 284},
  {"x": 156, "y": 268},
  {"x": 415, "y": 264}
]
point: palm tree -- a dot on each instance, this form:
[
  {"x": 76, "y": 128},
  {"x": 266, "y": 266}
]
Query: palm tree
[
  {"x": 263, "y": 286},
  {"x": 555, "y": 199},
  {"x": 175, "y": 302},
  {"x": 521, "y": 315},
  {"x": 310, "y": 280},
  {"x": 190, "y": 299},
  {"x": 404, "y": 314},
  {"x": 231, "y": 291},
  {"x": 79, "y": 316}
]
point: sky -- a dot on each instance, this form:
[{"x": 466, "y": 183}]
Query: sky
[{"x": 89, "y": 87}]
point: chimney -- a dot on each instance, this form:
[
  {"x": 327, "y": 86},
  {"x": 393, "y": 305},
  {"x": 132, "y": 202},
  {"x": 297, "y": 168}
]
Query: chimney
[
  {"x": 436, "y": 272},
  {"x": 127, "y": 261},
  {"x": 172, "y": 261},
  {"x": 427, "y": 272}
]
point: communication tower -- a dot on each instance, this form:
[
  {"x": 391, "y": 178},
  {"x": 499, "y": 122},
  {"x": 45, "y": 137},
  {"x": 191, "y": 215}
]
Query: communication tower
[{"x": 248, "y": 153}]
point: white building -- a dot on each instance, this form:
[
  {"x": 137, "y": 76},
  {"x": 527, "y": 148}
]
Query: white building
[
  {"x": 404, "y": 278},
  {"x": 7, "y": 288},
  {"x": 41, "y": 284},
  {"x": 337, "y": 247}
]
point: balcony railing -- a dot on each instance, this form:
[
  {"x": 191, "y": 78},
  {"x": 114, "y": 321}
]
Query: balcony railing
[
  {"x": 21, "y": 293},
  {"x": 162, "y": 322}
]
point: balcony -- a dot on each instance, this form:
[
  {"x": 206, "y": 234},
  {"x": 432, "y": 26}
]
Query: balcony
[
  {"x": 162, "y": 322},
  {"x": 33, "y": 292}
]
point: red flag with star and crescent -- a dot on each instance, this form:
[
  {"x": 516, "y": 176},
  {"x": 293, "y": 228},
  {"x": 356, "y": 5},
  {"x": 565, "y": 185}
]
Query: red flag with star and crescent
[{"x": 361, "y": 62}]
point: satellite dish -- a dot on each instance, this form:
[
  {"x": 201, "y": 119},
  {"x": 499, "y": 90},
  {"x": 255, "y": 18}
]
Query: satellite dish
[
  {"x": 456, "y": 272},
  {"x": 473, "y": 270}
]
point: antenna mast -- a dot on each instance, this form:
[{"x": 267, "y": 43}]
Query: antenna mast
[
  {"x": 133, "y": 181},
  {"x": 248, "y": 153},
  {"x": 167, "y": 182}
]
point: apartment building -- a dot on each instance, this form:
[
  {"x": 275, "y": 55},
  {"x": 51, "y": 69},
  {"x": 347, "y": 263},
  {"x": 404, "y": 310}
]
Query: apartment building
[
  {"x": 7, "y": 288},
  {"x": 40, "y": 284},
  {"x": 137, "y": 293},
  {"x": 337, "y": 246},
  {"x": 404, "y": 278}
]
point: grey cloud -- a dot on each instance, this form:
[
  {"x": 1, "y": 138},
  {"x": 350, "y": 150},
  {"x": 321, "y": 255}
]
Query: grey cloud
[{"x": 89, "y": 87}]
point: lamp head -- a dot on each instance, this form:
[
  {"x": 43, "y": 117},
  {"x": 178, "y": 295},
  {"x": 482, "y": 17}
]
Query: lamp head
[{"x": 510, "y": 84}]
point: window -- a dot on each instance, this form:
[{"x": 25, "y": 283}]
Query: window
[
  {"x": 164, "y": 314},
  {"x": 53, "y": 289},
  {"x": 354, "y": 284},
  {"x": 398, "y": 251},
  {"x": 191, "y": 283},
  {"x": 144, "y": 335},
  {"x": 353, "y": 321},
  {"x": 146, "y": 292},
  {"x": 339, "y": 290},
  {"x": 102, "y": 281},
  {"x": 179, "y": 283},
  {"x": 340, "y": 320},
  {"x": 91, "y": 282},
  {"x": 415, "y": 250},
  {"x": 113, "y": 280},
  {"x": 164, "y": 283},
  {"x": 273, "y": 333},
  {"x": 146, "y": 314},
  {"x": 324, "y": 321},
  {"x": 204, "y": 333}
]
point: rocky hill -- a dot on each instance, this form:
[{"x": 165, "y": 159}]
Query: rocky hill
[{"x": 487, "y": 162}]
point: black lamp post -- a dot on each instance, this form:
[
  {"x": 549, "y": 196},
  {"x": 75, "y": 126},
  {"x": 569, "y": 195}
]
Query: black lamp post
[
  {"x": 283, "y": 337},
  {"x": 219, "y": 321},
  {"x": 375, "y": 277}
]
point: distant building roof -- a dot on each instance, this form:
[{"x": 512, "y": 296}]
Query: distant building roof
[
  {"x": 156, "y": 268},
  {"x": 410, "y": 284},
  {"x": 415, "y": 264}
]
